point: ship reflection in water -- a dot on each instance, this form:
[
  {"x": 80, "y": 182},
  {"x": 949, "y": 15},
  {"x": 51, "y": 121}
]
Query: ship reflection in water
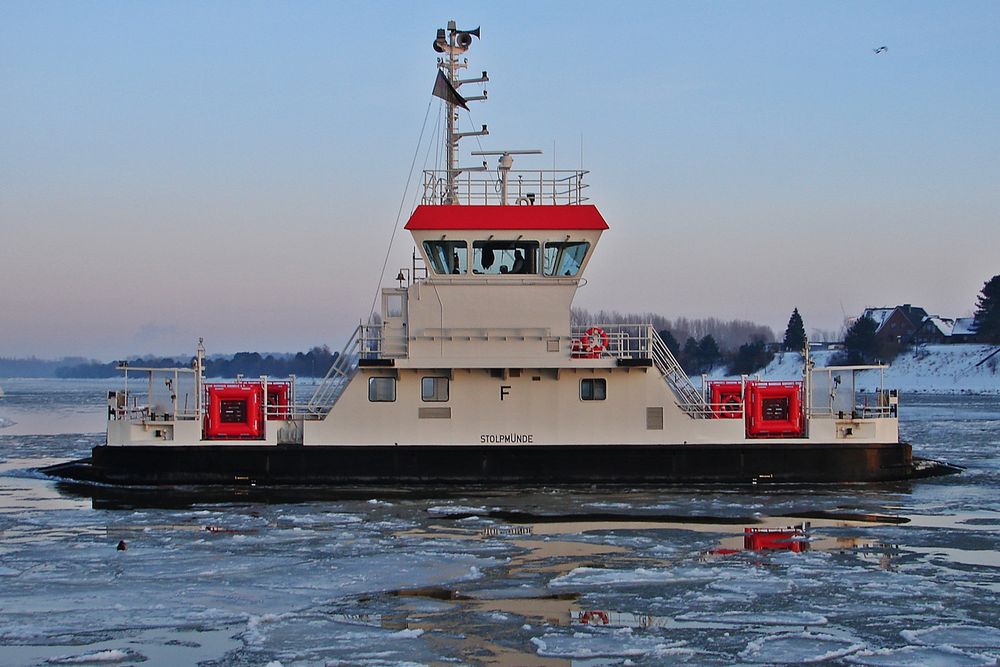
[{"x": 542, "y": 551}]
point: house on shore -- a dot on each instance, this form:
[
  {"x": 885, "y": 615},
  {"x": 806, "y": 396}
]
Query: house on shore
[
  {"x": 935, "y": 329},
  {"x": 896, "y": 324}
]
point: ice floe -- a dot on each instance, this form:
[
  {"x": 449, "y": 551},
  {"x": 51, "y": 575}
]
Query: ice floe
[
  {"x": 963, "y": 636},
  {"x": 617, "y": 644},
  {"x": 801, "y": 647},
  {"x": 791, "y": 618},
  {"x": 107, "y": 657},
  {"x": 921, "y": 656},
  {"x": 585, "y": 577}
]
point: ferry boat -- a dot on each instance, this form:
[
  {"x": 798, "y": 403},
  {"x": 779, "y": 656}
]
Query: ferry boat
[{"x": 475, "y": 373}]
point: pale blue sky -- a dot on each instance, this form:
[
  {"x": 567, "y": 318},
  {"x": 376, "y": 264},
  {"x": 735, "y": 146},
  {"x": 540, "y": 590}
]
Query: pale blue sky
[{"x": 232, "y": 170}]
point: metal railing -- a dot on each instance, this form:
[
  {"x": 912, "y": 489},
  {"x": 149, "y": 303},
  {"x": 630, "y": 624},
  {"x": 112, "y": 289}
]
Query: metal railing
[
  {"x": 640, "y": 341},
  {"x": 616, "y": 341},
  {"x": 534, "y": 186},
  {"x": 344, "y": 367},
  {"x": 166, "y": 394},
  {"x": 376, "y": 344},
  {"x": 689, "y": 399}
]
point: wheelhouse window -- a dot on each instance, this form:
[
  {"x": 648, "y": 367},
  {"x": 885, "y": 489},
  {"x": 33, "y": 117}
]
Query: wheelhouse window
[
  {"x": 381, "y": 390},
  {"x": 434, "y": 389},
  {"x": 504, "y": 257},
  {"x": 593, "y": 389},
  {"x": 448, "y": 257},
  {"x": 564, "y": 258}
]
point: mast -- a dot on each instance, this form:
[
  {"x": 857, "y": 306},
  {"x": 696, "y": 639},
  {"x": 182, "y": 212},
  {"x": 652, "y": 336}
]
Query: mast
[{"x": 453, "y": 42}]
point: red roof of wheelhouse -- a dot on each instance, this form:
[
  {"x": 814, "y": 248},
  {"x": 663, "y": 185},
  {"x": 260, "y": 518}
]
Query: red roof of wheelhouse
[{"x": 581, "y": 216}]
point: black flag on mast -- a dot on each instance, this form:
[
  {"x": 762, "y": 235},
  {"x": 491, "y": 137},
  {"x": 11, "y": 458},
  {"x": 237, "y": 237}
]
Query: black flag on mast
[{"x": 447, "y": 92}]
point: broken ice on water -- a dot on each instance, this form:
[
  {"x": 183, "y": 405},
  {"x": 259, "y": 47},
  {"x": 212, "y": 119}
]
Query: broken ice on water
[{"x": 470, "y": 576}]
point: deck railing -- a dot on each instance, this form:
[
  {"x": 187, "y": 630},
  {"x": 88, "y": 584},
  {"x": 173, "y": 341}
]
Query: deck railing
[{"x": 524, "y": 186}]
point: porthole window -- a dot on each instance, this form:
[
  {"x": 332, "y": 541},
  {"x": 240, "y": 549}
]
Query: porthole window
[
  {"x": 593, "y": 389},
  {"x": 434, "y": 389},
  {"x": 381, "y": 390}
]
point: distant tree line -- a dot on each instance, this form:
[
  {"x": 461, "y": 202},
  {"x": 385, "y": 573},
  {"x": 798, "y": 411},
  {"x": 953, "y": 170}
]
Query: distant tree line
[
  {"x": 701, "y": 356},
  {"x": 32, "y": 367},
  {"x": 740, "y": 346},
  {"x": 314, "y": 363},
  {"x": 728, "y": 335}
]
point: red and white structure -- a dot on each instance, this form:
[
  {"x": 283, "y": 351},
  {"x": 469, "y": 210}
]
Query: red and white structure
[{"x": 474, "y": 372}]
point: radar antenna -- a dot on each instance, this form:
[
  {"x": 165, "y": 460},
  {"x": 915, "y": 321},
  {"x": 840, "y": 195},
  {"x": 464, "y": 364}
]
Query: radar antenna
[{"x": 504, "y": 163}]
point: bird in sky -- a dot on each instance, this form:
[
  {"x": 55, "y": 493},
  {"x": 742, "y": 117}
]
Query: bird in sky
[{"x": 881, "y": 49}]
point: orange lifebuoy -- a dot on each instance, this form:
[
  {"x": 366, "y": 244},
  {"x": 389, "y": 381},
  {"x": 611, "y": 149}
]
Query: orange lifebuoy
[
  {"x": 587, "y": 616},
  {"x": 731, "y": 407},
  {"x": 596, "y": 340}
]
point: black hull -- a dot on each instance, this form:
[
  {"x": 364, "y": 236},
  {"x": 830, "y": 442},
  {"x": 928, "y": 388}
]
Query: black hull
[{"x": 325, "y": 466}]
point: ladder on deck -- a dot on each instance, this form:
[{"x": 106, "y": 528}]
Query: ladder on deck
[
  {"x": 343, "y": 370},
  {"x": 689, "y": 399}
]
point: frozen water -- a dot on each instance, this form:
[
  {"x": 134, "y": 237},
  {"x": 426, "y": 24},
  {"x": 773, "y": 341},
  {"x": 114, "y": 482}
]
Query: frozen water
[
  {"x": 956, "y": 635},
  {"x": 735, "y": 618},
  {"x": 418, "y": 580},
  {"x": 591, "y": 645},
  {"x": 589, "y": 577},
  {"x": 919, "y": 656},
  {"x": 797, "y": 648}
]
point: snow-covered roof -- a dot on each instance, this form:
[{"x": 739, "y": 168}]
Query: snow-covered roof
[
  {"x": 943, "y": 324},
  {"x": 964, "y": 326},
  {"x": 915, "y": 315},
  {"x": 879, "y": 315}
]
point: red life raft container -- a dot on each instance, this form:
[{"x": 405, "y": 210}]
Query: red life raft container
[
  {"x": 277, "y": 398},
  {"x": 234, "y": 412},
  {"x": 774, "y": 409},
  {"x": 726, "y": 399}
]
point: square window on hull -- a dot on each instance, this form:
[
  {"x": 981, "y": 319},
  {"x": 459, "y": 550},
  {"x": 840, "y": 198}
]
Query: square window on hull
[
  {"x": 434, "y": 389},
  {"x": 381, "y": 390},
  {"x": 593, "y": 389}
]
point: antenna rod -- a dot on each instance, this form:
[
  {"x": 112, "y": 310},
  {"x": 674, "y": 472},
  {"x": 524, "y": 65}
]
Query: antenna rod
[
  {"x": 452, "y": 140},
  {"x": 452, "y": 42}
]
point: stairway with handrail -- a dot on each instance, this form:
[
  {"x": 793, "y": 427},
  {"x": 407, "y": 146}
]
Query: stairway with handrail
[
  {"x": 344, "y": 367},
  {"x": 689, "y": 399}
]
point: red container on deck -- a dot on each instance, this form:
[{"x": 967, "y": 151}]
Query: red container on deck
[
  {"x": 234, "y": 412},
  {"x": 277, "y": 398},
  {"x": 774, "y": 409},
  {"x": 726, "y": 399}
]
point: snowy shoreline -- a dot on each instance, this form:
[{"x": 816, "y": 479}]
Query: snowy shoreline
[{"x": 927, "y": 369}]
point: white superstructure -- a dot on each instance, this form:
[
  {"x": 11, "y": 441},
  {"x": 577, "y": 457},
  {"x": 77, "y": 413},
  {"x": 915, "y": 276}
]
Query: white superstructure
[{"x": 475, "y": 345}]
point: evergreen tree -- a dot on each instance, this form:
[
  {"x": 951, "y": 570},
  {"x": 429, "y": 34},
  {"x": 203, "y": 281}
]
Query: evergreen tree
[
  {"x": 860, "y": 341},
  {"x": 689, "y": 355},
  {"x": 750, "y": 357},
  {"x": 988, "y": 311},
  {"x": 708, "y": 352},
  {"x": 795, "y": 332},
  {"x": 670, "y": 342}
]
